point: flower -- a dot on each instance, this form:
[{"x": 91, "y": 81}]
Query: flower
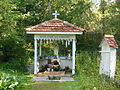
[
  {"x": 40, "y": 69},
  {"x": 46, "y": 66}
]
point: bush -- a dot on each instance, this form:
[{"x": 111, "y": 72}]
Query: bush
[
  {"x": 9, "y": 82},
  {"x": 88, "y": 62}
]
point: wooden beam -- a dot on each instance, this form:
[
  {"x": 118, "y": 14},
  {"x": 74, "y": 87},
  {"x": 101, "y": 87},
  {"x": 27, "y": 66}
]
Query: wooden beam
[{"x": 64, "y": 33}]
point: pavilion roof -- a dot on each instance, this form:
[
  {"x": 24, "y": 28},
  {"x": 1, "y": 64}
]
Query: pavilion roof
[
  {"x": 55, "y": 25},
  {"x": 111, "y": 41}
]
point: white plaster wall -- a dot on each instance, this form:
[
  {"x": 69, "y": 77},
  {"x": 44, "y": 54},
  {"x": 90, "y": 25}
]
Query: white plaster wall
[
  {"x": 112, "y": 62},
  {"x": 105, "y": 59},
  {"x": 105, "y": 63},
  {"x": 101, "y": 65},
  {"x": 43, "y": 62},
  {"x": 64, "y": 63},
  {"x": 108, "y": 60}
]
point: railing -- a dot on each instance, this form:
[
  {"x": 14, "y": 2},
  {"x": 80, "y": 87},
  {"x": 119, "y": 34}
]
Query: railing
[{"x": 54, "y": 58}]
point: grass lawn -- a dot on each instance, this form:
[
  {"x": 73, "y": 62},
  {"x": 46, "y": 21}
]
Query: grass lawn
[
  {"x": 46, "y": 86},
  {"x": 55, "y": 85},
  {"x": 82, "y": 82},
  {"x": 50, "y": 85},
  {"x": 87, "y": 77},
  {"x": 86, "y": 83}
]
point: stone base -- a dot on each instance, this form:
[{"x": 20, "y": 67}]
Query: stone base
[
  {"x": 45, "y": 78},
  {"x": 59, "y": 73}
]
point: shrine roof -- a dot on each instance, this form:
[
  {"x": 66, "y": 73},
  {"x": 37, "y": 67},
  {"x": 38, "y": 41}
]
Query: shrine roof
[
  {"x": 111, "y": 41},
  {"x": 55, "y": 25}
]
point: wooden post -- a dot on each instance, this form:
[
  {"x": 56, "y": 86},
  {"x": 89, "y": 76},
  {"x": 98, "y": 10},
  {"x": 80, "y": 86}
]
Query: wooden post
[
  {"x": 40, "y": 48},
  {"x": 73, "y": 55},
  {"x": 35, "y": 55}
]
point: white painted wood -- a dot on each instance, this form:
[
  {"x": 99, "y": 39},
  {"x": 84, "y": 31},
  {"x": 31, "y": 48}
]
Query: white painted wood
[
  {"x": 106, "y": 63},
  {"x": 104, "y": 51},
  {"x": 40, "y": 48},
  {"x": 35, "y": 55},
  {"x": 73, "y": 55},
  {"x": 56, "y": 13},
  {"x": 113, "y": 63},
  {"x": 105, "y": 57},
  {"x": 108, "y": 60},
  {"x": 55, "y": 37},
  {"x": 67, "y": 33}
]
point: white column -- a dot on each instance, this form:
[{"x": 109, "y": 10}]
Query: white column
[
  {"x": 73, "y": 55},
  {"x": 35, "y": 55},
  {"x": 40, "y": 48}
]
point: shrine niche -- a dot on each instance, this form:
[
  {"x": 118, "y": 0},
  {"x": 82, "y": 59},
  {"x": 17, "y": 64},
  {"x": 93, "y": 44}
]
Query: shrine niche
[{"x": 108, "y": 56}]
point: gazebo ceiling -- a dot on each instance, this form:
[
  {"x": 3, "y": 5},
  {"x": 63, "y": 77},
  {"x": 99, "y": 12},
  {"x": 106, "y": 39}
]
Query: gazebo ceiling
[{"x": 55, "y": 25}]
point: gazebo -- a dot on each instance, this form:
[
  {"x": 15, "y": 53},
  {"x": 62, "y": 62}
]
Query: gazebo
[{"x": 54, "y": 30}]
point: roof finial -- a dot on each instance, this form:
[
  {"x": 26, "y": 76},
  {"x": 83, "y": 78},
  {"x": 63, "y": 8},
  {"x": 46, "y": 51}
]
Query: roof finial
[{"x": 56, "y": 13}]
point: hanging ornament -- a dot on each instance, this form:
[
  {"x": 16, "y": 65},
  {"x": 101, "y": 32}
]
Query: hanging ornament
[
  {"x": 40, "y": 42},
  {"x": 44, "y": 41},
  {"x": 68, "y": 42}
]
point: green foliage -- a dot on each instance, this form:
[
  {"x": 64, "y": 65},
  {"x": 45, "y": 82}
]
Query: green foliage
[
  {"x": 87, "y": 67},
  {"x": 17, "y": 49},
  {"x": 17, "y": 15},
  {"x": 11, "y": 79},
  {"x": 89, "y": 41},
  {"x": 109, "y": 17},
  {"x": 87, "y": 59},
  {"x": 12, "y": 48},
  {"x": 8, "y": 82}
]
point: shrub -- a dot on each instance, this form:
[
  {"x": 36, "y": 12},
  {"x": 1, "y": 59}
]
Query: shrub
[{"x": 8, "y": 82}]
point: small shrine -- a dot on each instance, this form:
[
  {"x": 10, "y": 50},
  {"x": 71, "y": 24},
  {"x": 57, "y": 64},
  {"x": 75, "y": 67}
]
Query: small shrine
[
  {"x": 108, "y": 56},
  {"x": 58, "y": 32}
]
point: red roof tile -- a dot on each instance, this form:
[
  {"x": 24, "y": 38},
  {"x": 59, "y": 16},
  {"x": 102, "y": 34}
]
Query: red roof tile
[
  {"x": 55, "y": 25},
  {"x": 111, "y": 41}
]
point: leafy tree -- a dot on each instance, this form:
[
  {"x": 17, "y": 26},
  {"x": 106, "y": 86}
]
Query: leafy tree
[
  {"x": 16, "y": 15},
  {"x": 110, "y": 17},
  {"x": 11, "y": 42}
]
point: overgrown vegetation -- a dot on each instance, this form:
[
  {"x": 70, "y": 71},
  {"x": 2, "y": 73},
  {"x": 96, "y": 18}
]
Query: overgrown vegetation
[
  {"x": 16, "y": 48},
  {"x": 87, "y": 76},
  {"x": 11, "y": 79},
  {"x": 88, "y": 72},
  {"x": 8, "y": 82}
]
